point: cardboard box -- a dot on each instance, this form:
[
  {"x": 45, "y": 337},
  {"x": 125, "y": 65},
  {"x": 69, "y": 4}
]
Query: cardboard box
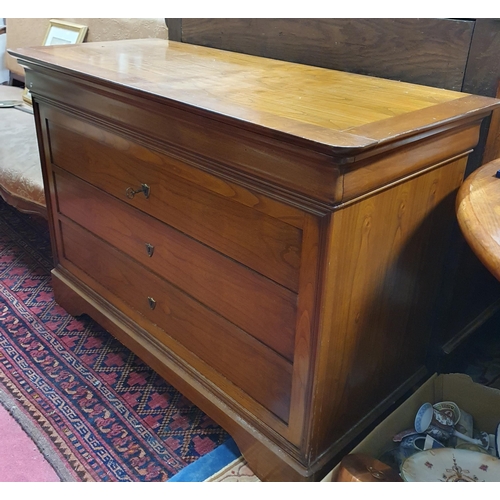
[{"x": 482, "y": 402}]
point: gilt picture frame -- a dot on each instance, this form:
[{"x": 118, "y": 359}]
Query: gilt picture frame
[
  {"x": 64, "y": 32},
  {"x": 60, "y": 33}
]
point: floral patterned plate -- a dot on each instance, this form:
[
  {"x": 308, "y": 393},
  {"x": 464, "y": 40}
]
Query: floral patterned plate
[{"x": 451, "y": 465}]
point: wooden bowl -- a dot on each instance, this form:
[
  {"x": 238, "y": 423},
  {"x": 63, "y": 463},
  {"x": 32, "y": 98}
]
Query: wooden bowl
[{"x": 357, "y": 467}]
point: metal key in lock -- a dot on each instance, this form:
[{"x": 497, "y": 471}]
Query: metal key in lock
[{"x": 145, "y": 189}]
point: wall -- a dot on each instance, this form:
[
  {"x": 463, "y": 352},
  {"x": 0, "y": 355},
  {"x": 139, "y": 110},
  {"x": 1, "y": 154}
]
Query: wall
[
  {"x": 25, "y": 32},
  {"x": 4, "y": 73}
]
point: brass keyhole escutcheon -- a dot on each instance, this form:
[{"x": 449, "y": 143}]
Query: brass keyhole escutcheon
[
  {"x": 152, "y": 302},
  {"x": 150, "y": 249},
  {"x": 131, "y": 192}
]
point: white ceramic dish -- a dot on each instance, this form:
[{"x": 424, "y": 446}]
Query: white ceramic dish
[
  {"x": 451, "y": 465},
  {"x": 10, "y": 104},
  {"x": 449, "y": 408}
]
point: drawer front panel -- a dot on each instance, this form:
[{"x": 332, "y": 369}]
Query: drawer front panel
[
  {"x": 115, "y": 165},
  {"x": 256, "y": 304},
  {"x": 259, "y": 371}
]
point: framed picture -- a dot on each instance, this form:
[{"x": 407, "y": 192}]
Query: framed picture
[
  {"x": 60, "y": 33},
  {"x": 64, "y": 32}
]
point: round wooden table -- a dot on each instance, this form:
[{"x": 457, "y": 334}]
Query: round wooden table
[{"x": 478, "y": 214}]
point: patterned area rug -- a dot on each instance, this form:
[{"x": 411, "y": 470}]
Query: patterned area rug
[{"x": 106, "y": 414}]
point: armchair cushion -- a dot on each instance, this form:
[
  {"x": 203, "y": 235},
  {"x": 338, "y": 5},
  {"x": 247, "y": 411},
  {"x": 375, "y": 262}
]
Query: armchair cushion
[{"x": 21, "y": 182}]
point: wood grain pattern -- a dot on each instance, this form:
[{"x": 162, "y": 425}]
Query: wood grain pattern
[
  {"x": 242, "y": 157},
  {"x": 478, "y": 213},
  {"x": 269, "y": 460},
  {"x": 248, "y": 155},
  {"x": 115, "y": 165},
  {"x": 239, "y": 357},
  {"x": 255, "y": 304},
  {"x": 99, "y": 300},
  {"x": 252, "y": 167},
  {"x": 249, "y": 89},
  {"x": 429, "y": 51},
  {"x": 174, "y": 29},
  {"x": 185, "y": 166},
  {"x": 383, "y": 252},
  {"x": 306, "y": 330},
  {"x": 366, "y": 176},
  {"x": 425, "y": 51},
  {"x": 483, "y": 69}
]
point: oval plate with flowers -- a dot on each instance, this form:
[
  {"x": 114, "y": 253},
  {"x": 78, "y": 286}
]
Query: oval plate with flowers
[{"x": 451, "y": 465}]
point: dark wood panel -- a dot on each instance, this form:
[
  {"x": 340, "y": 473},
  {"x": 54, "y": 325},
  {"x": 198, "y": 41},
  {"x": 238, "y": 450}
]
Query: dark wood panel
[
  {"x": 256, "y": 369},
  {"x": 174, "y": 29},
  {"x": 425, "y": 51},
  {"x": 468, "y": 297},
  {"x": 482, "y": 77},
  {"x": 476, "y": 216},
  {"x": 483, "y": 67},
  {"x": 492, "y": 149}
]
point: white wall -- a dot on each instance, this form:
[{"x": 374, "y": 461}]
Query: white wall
[{"x": 4, "y": 73}]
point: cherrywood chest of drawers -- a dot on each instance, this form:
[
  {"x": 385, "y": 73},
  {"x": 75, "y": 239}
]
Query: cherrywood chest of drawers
[{"x": 268, "y": 236}]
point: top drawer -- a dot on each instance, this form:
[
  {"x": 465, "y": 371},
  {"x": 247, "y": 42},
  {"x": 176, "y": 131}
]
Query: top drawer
[{"x": 178, "y": 195}]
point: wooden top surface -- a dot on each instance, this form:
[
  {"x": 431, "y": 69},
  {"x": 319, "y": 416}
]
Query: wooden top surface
[
  {"x": 478, "y": 214},
  {"x": 330, "y": 107}
]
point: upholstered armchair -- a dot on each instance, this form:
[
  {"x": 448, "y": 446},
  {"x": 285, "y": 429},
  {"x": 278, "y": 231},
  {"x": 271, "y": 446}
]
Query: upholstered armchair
[{"x": 21, "y": 183}]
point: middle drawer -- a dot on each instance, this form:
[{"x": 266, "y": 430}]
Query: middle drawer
[{"x": 254, "y": 303}]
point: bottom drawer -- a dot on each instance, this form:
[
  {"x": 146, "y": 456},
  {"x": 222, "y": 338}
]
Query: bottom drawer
[{"x": 259, "y": 371}]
